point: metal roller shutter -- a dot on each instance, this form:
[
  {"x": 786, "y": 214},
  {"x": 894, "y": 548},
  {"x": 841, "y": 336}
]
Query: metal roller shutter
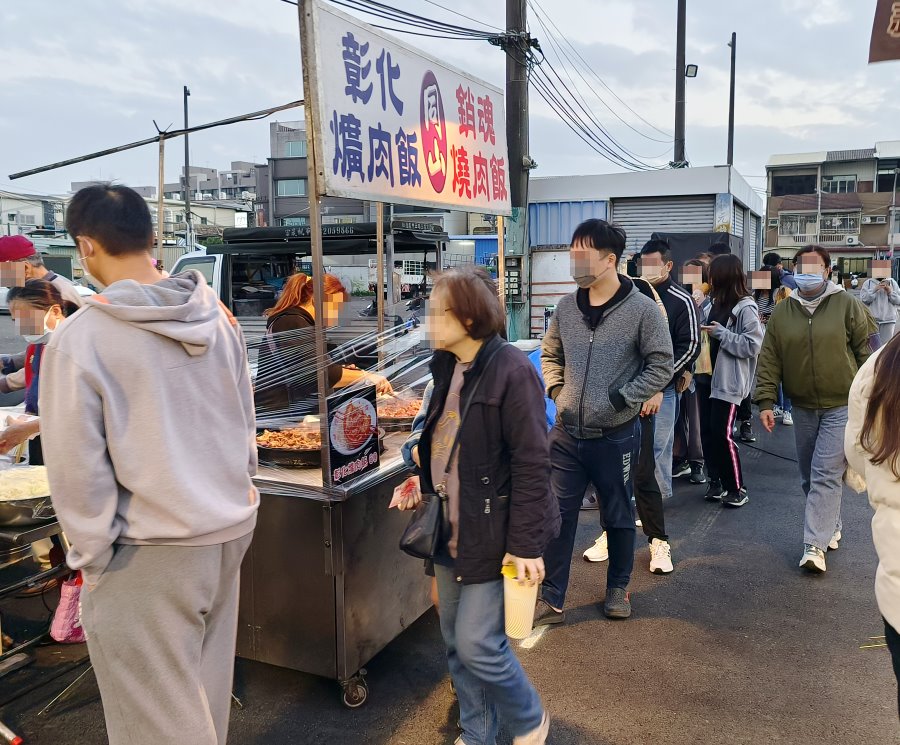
[
  {"x": 737, "y": 221},
  {"x": 751, "y": 245},
  {"x": 641, "y": 217}
]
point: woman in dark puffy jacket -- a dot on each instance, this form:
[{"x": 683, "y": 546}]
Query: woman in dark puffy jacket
[{"x": 500, "y": 506}]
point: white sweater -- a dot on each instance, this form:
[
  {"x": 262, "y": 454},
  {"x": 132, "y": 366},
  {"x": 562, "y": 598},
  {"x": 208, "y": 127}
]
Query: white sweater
[{"x": 884, "y": 496}]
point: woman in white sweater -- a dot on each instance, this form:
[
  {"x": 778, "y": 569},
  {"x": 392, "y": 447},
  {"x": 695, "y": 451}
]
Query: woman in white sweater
[{"x": 872, "y": 446}]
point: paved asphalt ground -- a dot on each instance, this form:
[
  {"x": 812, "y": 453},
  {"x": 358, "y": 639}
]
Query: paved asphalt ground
[{"x": 737, "y": 646}]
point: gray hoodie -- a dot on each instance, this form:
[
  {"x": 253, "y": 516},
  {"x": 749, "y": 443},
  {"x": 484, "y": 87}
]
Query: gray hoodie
[
  {"x": 740, "y": 342},
  {"x": 147, "y": 421},
  {"x": 882, "y": 305}
]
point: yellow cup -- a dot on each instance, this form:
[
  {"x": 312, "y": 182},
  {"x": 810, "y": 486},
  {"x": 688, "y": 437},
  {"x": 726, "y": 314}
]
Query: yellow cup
[{"x": 519, "y": 602}]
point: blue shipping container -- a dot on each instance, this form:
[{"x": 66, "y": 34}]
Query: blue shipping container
[{"x": 552, "y": 223}]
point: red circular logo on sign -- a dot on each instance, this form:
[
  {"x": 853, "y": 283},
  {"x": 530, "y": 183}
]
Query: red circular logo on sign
[{"x": 434, "y": 132}]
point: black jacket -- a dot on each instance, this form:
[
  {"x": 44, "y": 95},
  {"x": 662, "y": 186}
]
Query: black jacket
[
  {"x": 505, "y": 502},
  {"x": 684, "y": 325}
]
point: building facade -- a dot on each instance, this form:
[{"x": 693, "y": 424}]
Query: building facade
[
  {"x": 684, "y": 200},
  {"x": 282, "y": 195},
  {"x": 844, "y": 200},
  {"x": 23, "y": 213}
]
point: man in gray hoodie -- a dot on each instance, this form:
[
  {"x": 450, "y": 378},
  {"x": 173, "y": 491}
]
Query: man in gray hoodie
[
  {"x": 149, "y": 434},
  {"x": 606, "y": 359}
]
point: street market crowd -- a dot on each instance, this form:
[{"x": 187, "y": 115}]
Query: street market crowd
[{"x": 647, "y": 373}]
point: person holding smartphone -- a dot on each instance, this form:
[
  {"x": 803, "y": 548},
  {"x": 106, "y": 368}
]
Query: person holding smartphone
[{"x": 881, "y": 295}]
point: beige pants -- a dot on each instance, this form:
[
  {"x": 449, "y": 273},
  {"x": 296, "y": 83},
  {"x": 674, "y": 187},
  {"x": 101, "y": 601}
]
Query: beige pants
[{"x": 161, "y": 624}]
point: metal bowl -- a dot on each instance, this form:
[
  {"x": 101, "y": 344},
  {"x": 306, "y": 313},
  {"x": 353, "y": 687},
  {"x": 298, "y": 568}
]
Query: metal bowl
[{"x": 21, "y": 512}]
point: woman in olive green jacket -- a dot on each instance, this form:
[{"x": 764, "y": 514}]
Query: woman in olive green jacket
[{"x": 815, "y": 342}]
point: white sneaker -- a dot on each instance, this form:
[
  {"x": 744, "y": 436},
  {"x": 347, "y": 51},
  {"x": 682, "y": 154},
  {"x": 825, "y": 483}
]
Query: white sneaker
[
  {"x": 834, "y": 543},
  {"x": 813, "y": 559},
  {"x": 777, "y": 412},
  {"x": 638, "y": 524},
  {"x": 660, "y": 557},
  {"x": 599, "y": 551},
  {"x": 788, "y": 419},
  {"x": 537, "y": 736}
]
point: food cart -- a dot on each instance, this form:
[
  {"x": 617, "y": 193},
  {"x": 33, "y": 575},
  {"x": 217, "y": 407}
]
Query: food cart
[{"x": 324, "y": 584}]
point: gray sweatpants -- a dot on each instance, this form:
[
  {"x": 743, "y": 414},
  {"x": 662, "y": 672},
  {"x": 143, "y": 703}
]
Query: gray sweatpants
[{"x": 161, "y": 624}]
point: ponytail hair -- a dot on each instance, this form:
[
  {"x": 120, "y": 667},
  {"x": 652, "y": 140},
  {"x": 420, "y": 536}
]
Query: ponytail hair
[{"x": 41, "y": 295}]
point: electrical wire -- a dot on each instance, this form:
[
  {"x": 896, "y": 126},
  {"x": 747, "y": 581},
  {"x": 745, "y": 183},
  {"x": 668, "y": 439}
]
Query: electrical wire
[
  {"x": 422, "y": 23},
  {"x": 592, "y": 72},
  {"x": 560, "y": 53},
  {"x": 633, "y": 159}
]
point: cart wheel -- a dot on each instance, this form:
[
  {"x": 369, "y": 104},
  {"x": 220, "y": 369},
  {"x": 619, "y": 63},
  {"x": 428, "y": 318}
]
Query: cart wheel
[{"x": 356, "y": 692}]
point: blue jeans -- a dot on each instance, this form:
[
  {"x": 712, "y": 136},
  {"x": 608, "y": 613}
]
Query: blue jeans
[
  {"x": 664, "y": 440},
  {"x": 490, "y": 683},
  {"x": 819, "y": 435},
  {"x": 606, "y": 463},
  {"x": 783, "y": 401}
]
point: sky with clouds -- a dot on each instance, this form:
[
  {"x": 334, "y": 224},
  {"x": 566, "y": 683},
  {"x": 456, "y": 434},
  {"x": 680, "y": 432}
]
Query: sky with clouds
[{"x": 80, "y": 77}]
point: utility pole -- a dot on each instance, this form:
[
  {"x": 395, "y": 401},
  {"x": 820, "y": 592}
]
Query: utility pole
[
  {"x": 188, "y": 232},
  {"x": 733, "y": 46},
  {"x": 518, "y": 43},
  {"x": 160, "y": 198},
  {"x": 681, "y": 34}
]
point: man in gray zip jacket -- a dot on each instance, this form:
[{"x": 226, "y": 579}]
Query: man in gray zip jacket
[{"x": 606, "y": 358}]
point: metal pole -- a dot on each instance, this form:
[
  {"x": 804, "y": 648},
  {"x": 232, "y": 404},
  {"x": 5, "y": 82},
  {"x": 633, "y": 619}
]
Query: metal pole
[
  {"x": 681, "y": 32},
  {"x": 307, "y": 47},
  {"x": 160, "y": 199},
  {"x": 892, "y": 218},
  {"x": 379, "y": 269},
  {"x": 733, "y": 46},
  {"x": 188, "y": 233},
  {"x": 501, "y": 260}
]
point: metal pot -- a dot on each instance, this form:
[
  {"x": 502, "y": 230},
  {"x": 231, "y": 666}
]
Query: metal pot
[{"x": 31, "y": 511}]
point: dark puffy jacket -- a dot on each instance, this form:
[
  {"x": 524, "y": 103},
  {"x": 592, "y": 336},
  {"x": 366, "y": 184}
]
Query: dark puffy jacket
[{"x": 505, "y": 502}]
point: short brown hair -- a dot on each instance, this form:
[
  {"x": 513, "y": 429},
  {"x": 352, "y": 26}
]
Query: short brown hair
[
  {"x": 474, "y": 300},
  {"x": 812, "y": 249}
]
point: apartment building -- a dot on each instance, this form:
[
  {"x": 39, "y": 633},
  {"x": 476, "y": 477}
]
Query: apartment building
[{"x": 845, "y": 200}]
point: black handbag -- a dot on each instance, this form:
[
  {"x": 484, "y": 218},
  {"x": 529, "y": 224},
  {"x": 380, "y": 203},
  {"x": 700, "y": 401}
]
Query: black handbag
[{"x": 429, "y": 525}]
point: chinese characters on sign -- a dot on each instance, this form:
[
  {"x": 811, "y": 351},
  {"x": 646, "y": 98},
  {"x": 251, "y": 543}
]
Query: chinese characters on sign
[
  {"x": 384, "y": 130},
  {"x": 885, "y": 44}
]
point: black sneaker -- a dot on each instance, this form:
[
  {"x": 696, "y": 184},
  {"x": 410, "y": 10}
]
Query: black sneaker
[
  {"x": 736, "y": 498},
  {"x": 547, "y": 615},
  {"x": 698, "y": 474},
  {"x": 747, "y": 432},
  {"x": 682, "y": 468},
  {"x": 617, "y": 603},
  {"x": 715, "y": 492}
]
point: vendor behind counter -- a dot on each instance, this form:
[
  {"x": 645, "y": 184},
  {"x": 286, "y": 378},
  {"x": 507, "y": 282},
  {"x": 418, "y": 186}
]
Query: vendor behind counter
[{"x": 286, "y": 379}]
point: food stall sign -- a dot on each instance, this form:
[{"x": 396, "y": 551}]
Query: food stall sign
[
  {"x": 416, "y": 227},
  {"x": 393, "y": 124},
  {"x": 353, "y": 434}
]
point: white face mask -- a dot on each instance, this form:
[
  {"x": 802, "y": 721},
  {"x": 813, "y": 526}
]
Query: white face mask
[{"x": 40, "y": 338}]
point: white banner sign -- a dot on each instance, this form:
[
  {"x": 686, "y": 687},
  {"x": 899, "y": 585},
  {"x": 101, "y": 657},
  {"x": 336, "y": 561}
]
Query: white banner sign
[{"x": 393, "y": 124}]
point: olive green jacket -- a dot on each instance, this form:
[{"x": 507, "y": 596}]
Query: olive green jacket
[{"x": 814, "y": 357}]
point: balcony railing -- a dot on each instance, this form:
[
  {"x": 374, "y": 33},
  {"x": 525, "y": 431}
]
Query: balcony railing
[{"x": 823, "y": 239}]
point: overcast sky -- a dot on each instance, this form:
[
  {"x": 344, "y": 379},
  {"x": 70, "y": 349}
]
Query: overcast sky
[{"x": 83, "y": 76}]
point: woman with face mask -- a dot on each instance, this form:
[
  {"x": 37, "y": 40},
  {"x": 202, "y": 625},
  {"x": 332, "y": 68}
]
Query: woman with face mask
[
  {"x": 816, "y": 341},
  {"x": 37, "y": 309},
  {"x": 483, "y": 444},
  {"x": 732, "y": 322}
]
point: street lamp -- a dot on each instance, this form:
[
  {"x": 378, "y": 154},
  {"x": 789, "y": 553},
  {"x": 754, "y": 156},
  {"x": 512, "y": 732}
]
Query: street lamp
[{"x": 691, "y": 71}]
